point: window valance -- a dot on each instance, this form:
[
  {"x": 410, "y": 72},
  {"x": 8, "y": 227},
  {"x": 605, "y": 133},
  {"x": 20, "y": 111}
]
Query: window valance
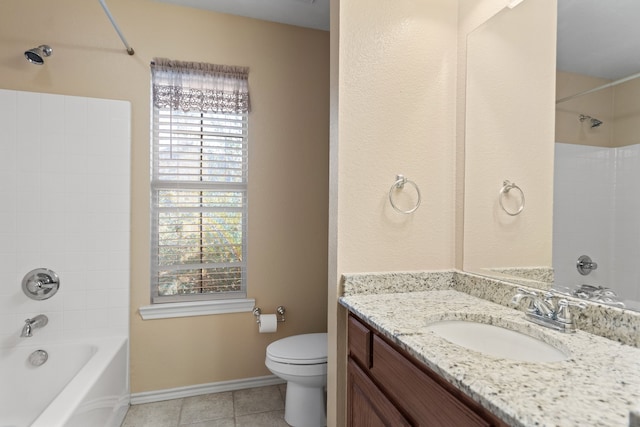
[{"x": 190, "y": 86}]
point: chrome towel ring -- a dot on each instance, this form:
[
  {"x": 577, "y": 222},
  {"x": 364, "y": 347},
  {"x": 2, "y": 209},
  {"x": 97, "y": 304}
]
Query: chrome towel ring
[
  {"x": 506, "y": 187},
  {"x": 401, "y": 180}
]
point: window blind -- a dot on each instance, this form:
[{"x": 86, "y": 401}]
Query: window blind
[{"x": 199, "y": 205}]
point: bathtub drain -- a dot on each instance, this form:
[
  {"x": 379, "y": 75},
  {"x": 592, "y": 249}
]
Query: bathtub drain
[{"x": 38, "y": 357}]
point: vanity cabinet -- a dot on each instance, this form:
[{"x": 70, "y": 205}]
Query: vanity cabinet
[{"x": 388, "y": 387}]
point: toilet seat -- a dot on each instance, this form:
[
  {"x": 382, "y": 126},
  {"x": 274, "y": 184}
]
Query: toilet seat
[{"x": 306, "y": 349}]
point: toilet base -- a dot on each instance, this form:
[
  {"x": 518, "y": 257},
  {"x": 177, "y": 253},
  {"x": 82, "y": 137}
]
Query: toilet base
[{"x": 305, "y": 406}]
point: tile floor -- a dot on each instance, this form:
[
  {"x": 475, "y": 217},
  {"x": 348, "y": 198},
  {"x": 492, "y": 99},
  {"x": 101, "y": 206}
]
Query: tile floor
[{"x": 255, "y": 407}]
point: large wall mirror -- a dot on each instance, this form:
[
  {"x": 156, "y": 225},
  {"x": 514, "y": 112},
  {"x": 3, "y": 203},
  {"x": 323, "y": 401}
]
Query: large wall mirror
[
  {"x": 590, "y": 167},
  {"x": 597, "y": 150},
  {"x": 509, "y": 137}
]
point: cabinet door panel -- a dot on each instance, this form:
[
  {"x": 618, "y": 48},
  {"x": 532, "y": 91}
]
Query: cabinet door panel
[
  {"x": 425, "y": 401},
  {"x": 367, "y": 406},
  {"x": 359, "y": 337}
]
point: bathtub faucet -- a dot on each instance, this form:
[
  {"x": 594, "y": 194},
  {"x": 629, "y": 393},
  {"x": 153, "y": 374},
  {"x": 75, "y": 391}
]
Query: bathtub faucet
[{"x": 30, "y": 324}]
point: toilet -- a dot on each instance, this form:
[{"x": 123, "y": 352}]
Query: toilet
[{"x": 301, "y": 360}]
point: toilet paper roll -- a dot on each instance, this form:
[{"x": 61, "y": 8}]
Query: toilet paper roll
[{"x": 268, "y": 323}]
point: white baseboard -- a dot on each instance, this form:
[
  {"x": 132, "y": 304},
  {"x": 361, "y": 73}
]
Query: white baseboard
[{"x": 198, "y": 389}]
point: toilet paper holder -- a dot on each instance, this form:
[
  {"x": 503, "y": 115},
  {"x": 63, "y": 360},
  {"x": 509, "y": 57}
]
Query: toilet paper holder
[{"x": 279, "y": 311}]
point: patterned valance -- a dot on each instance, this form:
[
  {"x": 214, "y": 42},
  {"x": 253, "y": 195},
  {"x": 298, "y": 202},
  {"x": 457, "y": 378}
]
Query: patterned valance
[{"x": 199, "y": 86}]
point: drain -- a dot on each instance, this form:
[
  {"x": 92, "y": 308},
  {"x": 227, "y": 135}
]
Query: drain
[{"x": 38, "y": 357}]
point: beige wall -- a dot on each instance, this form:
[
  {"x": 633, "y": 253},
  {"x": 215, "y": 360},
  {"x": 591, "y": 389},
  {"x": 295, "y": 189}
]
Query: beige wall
[
  {"x": 599, "y": 104},
  {"x": 397, "y": 115},
  {"x": 393, "y": 91},
  {"x": 626, "y": 111},
  {"x": 618, "y": 107},
  {"x": 336, "y": 315},
  {"x": 288, "y": 190},
  {"x": 509, "y": 136}
]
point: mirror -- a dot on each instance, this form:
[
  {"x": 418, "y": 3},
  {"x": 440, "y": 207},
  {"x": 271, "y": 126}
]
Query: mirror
[
  {"x": 596, "y": 173},
  {"x": 597, "y": 151},
  {"x": 508, "y": 137}
]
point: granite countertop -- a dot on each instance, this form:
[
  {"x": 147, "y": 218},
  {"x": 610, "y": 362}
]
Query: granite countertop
[{"x": 597, "y": 385}]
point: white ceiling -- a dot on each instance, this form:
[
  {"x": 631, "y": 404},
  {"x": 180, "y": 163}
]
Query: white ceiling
[
  {"x": 303, "y": 13},
  {"x": 600, "y": 38}
]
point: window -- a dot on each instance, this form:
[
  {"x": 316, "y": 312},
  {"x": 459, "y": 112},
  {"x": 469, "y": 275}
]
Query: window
[{"x": 198, "y": 181}]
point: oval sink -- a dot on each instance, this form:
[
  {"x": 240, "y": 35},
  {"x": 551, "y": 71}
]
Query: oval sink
[{"x": 496, "y": 341}]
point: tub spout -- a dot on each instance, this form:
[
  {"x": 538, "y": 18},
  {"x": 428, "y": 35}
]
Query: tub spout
[
  {"x": 26, "y": 330},
  {"x": 30, "y": 324}
]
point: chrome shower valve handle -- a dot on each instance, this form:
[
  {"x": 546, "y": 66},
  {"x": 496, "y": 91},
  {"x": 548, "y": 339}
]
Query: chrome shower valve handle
[
  {"x": 40, "y": 284},
  {"x": 585, "y": 265}
]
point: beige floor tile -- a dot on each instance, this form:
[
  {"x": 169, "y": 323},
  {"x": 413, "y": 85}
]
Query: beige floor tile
[
  {"x": 283, "y": 391},
  {"x": 156, "y": 414},
  {"x": 207, "y": 407},
  {"x": 263, "y": 419},
  {"x": 223, "y": 422},
  {"x": 254, "y": 400}
]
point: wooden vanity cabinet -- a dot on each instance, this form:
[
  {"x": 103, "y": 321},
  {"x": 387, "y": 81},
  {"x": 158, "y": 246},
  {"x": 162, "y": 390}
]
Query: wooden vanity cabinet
[{"x": 388, "y": 387}]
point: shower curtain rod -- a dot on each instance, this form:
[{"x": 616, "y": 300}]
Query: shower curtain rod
[
  {"x": 115, "y": 27},
  {"x": 604, "y": 86}
]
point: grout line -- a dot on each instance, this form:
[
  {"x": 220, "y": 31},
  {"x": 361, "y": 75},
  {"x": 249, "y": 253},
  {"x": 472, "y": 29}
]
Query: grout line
[{"x": 180, "y": 413}]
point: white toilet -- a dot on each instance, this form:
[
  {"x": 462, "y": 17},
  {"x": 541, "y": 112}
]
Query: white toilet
[{"x": 301, "y": 360}]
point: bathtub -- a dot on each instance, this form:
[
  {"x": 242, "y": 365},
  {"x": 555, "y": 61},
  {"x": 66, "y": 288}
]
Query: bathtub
[{"x": 82, "y": 384}]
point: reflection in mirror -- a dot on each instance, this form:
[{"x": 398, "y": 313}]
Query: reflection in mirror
[
  {"x": 596, "y": 175},
  {"x": 510, "y": 93},
  {"x": 597, "y": 151}
]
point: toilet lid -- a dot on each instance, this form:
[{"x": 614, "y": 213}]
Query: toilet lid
[{"x": 307, "y": 349}]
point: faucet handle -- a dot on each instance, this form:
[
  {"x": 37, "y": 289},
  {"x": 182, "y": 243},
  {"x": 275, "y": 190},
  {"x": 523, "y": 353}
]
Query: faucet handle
[
  {"x": 531, "y": 296},
  {"x": 563, "y": 314},
  {"x": 523, "y": 291}
]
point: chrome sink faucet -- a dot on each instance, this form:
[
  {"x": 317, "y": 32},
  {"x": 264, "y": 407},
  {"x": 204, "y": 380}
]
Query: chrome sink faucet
[
  {"x": 548, "y": 310},
  {"x": 38, "y": 321}
]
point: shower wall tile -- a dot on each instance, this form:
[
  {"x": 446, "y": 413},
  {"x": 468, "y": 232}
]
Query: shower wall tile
[
  {"x": 596, "y": 207},
  {"x": 583, "y": 212},
  {"x": 64, "y": 187}
]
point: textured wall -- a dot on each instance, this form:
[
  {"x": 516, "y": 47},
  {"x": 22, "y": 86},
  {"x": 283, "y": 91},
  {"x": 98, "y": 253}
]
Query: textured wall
[
  {"x": 393, "y": 112},
  {"x": 397, "y": 116}
]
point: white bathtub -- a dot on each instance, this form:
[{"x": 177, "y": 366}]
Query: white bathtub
[{"x": 82, "y": 384}]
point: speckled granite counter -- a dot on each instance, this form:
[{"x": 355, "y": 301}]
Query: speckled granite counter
[{"x": 598, "y": 385}]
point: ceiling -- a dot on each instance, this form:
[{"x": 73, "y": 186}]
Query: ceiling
[
  {"x": 595, "y": 37},
  {"x": 599, "y": 38},
  {"x": 302, "y": 13}
]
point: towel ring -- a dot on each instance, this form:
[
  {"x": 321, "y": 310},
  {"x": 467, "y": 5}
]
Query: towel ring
[
  {"x": 399, "y": 185},
  {"x": 506, "y": 187}
]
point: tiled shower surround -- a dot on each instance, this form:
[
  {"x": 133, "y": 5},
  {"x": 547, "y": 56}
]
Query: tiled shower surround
[
  {"x": 596, "y": 211},
  {"x": 64, "y": 205}
]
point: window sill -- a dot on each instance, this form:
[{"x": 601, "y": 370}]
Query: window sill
[{"x": 196, "y": 308}]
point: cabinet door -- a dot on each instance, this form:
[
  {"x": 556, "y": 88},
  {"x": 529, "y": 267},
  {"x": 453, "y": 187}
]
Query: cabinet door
[
  {"x": 423, "y": 399},
  {"x": 367, "y": 406}
]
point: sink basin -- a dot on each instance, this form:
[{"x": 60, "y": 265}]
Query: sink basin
[{"x": 496, "y": 341}]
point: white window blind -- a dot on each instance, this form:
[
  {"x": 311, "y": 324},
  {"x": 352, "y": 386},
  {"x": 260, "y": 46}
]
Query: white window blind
[{"x": 199, "y": 204}]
